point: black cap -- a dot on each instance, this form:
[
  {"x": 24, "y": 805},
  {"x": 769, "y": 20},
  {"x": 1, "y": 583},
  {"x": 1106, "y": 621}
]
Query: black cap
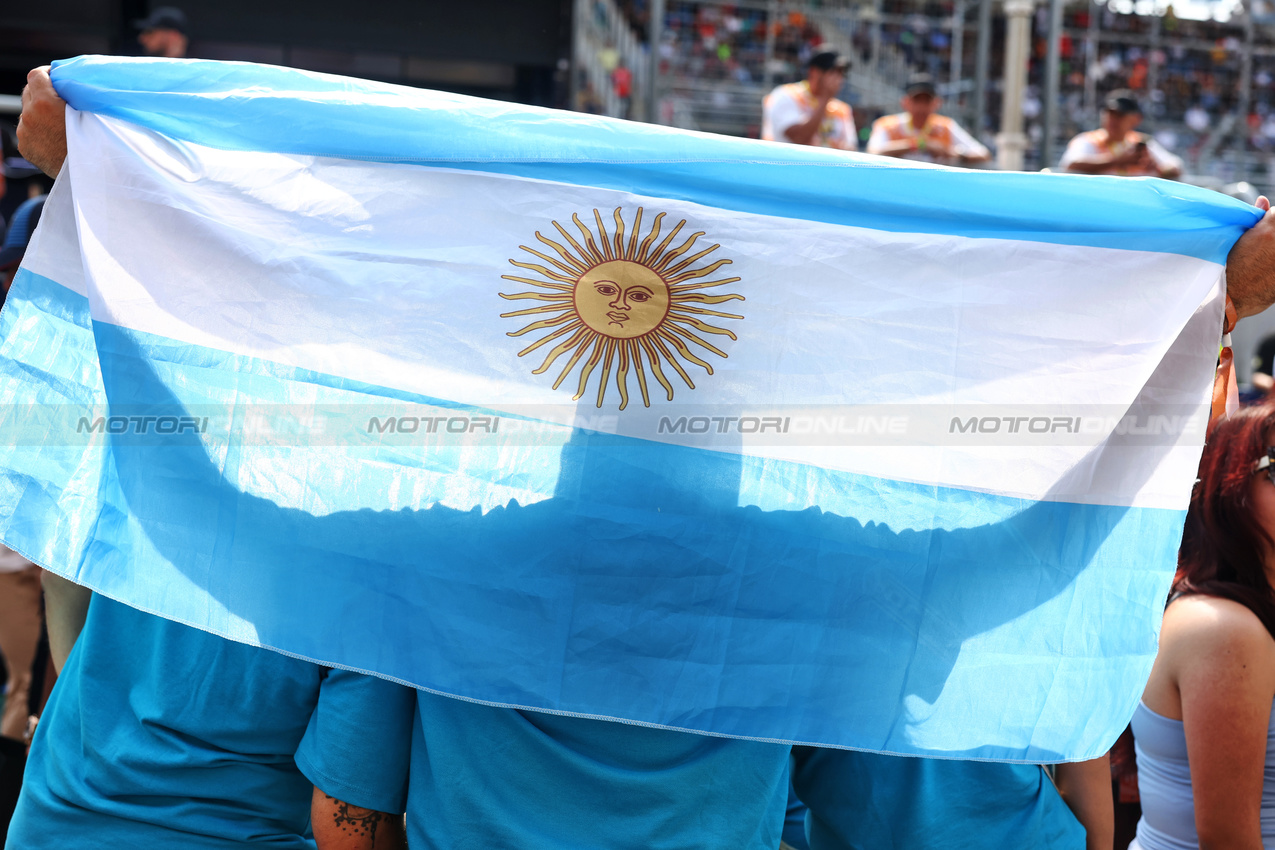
[
  {"x": 163, "y": 18},
  {"x": 1122, "y": 101},
  {"x": 829, "y": 60},
  {"x": 921, "y": 84}
]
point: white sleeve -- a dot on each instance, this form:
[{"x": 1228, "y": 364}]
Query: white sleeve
[
  {"x": 880, "y": 137},
  {"x": 1164, "y": 160},
  {"x": 965, "y": 144},
  {"x": 852, "y": 132},
  {"x": 1079, "y": 148},
  {"x": 780, "y": 112}
]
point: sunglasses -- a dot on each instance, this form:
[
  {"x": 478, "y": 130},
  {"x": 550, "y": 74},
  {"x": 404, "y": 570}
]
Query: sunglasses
[{"x": 1267, "y": 463}]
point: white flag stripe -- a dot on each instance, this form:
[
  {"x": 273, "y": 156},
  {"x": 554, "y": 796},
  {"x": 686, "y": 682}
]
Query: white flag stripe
[{"x": 174, "y": 234}]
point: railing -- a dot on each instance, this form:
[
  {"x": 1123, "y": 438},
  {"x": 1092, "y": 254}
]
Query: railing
[{"x": 602, "y": 42}]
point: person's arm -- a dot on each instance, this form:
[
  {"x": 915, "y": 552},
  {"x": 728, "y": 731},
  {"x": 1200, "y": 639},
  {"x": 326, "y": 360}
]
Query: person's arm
[
  {"x": 804, "y": 133},
  {"x": 1165, "y": 164},
  {"x": 66, "y": 605},
  {"x": 42, "y": 124},
  {"x": 356, "y": 752},
  {"x": 966, "y": 147},
  {"x": 1086, "y": 789},
  {"x": 894, "y": 147},
  {"x": 881, "y": 143},
  {"x": 1225, "y": 673},
  {"x": 1106, "y": 163},
  {"x": 338, "y": 825},
  {"x": 1250, "y": 266}
]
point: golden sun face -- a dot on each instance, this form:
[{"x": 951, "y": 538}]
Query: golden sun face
[{"x": 629, "y": 307}]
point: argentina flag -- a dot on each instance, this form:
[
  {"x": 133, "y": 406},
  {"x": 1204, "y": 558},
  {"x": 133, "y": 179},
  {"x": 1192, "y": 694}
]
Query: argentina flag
[{"x": 573, "y": 414}]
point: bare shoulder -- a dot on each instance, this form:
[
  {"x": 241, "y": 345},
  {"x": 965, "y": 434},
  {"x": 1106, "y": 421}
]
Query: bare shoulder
[{"x": 1212, "y": 626}]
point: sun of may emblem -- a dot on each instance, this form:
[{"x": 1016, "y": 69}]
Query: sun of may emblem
[{"x": 621, "y": 306}]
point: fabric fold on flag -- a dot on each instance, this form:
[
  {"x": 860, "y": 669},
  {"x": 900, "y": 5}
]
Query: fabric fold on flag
[{"x": 579, "y": 415}]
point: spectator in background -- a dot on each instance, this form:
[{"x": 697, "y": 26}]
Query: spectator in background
[
  {"x": 622, "y": 82},
  {"x": 163, "y": 33},
  {"x": 14, "y": 246},
  {"x": 808, "y": 112},
  {"x": 1117, "y": 147},
  {"x": 1263, "y": 379},
  {"x": 920, "y": 133},
  {"x": 1205, "y": 729}
]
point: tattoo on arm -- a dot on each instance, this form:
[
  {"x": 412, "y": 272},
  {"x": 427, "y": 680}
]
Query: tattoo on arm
[{"x": 356, "y": 820}]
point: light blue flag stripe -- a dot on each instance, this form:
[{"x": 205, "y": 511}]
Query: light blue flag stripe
[
  {"x": 244, "y": 107},
  {"x": 767, "y": 624}
]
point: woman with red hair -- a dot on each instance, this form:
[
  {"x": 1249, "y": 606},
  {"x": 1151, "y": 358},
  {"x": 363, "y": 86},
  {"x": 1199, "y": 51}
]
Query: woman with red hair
[{"x": 1204, "y": 729}]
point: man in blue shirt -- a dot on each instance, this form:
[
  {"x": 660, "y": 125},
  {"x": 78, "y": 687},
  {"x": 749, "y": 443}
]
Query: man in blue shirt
[
  {"x": 489, "y": 777},
  {"x": 160, "y": 735}
]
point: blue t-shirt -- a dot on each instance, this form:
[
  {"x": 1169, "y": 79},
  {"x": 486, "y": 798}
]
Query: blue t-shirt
[
  {"x": 502, "y": 779},
  {"x": 867, "y": 801},
  {"x": 160, "y": 735}
]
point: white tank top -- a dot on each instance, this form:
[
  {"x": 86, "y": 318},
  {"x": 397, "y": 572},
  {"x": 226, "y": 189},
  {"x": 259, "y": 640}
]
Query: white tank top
[{"x": 1164, "y": 784}]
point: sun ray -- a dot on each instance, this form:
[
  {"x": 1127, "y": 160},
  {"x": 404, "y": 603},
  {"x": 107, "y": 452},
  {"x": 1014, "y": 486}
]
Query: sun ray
[
  {"x": 635, "y": 353},
  {"x": 542, "y": 325},
  {"x": 701, "y": 298},
  {"x": 580, "y": 348},
  {"x": 655, "y": 367},
  {"x": 673, "y": 327},
  {"x": 552, "y": 275},
  {"x": 589, "y": 365},
  {"x": 608, "y": 357},
  {"x": 701, "y": 311},
  {"x": 586, "y": 259},
  {"x": 577, "y": 266},
  {"x": 603, "y": 239},
  {"x": 688, "y": 287},
  {"x": 673, "y": 334},
  {"x": 619, "y": 235},
  {"x": 646, "y": 243},
  {"x": 544, "y": 340},
  {"x": 557, "y": 264},
  {"x": 677, "y": 252},
  {"x": 672, "y": 271},
  {"x": 702, "y": 327},
  {"x": 587, "y": 235},
  {"x": 633, "y": 238},
  {"x": 694, "y": 273},
  {"x": 659, "y": 249},
  {"x": 672, "y": 361},
  {"x": 539, "y": 296},
  {"x": 615, "y": 303},
  {"x": 531, "y": 311},
  {"x": 622, "y": 373},
  {"x": 534, "y": 282}
]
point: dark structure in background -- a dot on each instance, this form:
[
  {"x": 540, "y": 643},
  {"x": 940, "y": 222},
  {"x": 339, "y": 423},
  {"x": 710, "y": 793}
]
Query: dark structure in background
[{"x": 507, "y": 49}]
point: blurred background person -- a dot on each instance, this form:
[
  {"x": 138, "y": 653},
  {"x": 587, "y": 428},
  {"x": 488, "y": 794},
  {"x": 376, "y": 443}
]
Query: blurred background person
[
  {"x": 920, "y": 133},
  {"x": 1117, "y": 147},
  {"x": 1203, "y": 730},
  {"x": 163, "y": 33},
  {"x": 808, "y": 112}
]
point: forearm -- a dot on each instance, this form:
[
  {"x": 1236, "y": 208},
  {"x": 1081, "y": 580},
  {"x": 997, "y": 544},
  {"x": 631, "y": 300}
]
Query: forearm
[
  {"x": 338, "y": 825},
  {"x": 803, "y": 133},
  {"x": 895, "y": 147},
  {"x": 1086, "y": 789},
  {"x": 1091, "y": 166}
]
